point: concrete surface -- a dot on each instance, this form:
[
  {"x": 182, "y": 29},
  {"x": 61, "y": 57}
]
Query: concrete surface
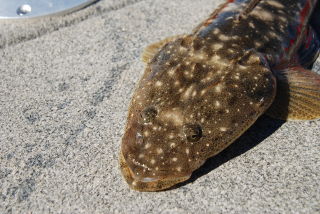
[{"x": 65, "y": 85}]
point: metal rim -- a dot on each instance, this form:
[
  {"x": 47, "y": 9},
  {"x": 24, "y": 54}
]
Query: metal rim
[{"x": 27, "y": 9}]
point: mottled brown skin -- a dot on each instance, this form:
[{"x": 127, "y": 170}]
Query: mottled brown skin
[{"x": 199, "y": 93}]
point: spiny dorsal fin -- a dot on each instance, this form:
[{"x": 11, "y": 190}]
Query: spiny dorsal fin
[
  {"x": 298, "y": 95},
  {"x": 152, "y": 49}
]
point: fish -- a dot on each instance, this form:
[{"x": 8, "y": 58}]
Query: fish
[{"x": 202, "y": 90}]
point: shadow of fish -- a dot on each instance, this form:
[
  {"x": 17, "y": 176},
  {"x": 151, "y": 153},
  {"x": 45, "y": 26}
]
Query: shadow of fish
[{"x": 201, "y": 91}]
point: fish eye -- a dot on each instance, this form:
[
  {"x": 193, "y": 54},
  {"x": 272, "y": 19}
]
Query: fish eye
[
  {"x": 148, "y": 114},
  {"x": 193, "y": 132}
]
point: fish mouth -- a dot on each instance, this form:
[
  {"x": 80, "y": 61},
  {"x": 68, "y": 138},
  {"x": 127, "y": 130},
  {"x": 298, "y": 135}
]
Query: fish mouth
[{"x": 148, "y": 184}]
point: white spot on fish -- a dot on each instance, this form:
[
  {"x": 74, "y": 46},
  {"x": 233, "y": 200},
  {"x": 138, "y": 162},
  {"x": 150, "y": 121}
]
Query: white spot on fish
[
  {"x": 263, "y": 15},
  {"x": 159, "y": 150},
  {"x": 188, "y": 92},
  {"x": 218, "y": 88},
  {"x": 223, "y": 129},
  {"x": 171, "y": 72},
  {"x": 203, "y": 91},
  {"x": 217, "y": 104},
  {"x": 257, "y": 44},
  {"x": 172, "y": 145},
  {"x": 159, "y": 84},
  {"x": 171, "y": 136},
  {"x": 174, "y": 116},
  {"x": 251, "y": 25},
  {"x": 146, "y": 133},
  {"x": 223, "y": 37},
  {"x": 141, "y": 156},
  {"x": 217, "y": 46},
  {"x": 215, "y": 58},
  {"x": 216, "y": 31},
  {"x": 276, "y": 4}
]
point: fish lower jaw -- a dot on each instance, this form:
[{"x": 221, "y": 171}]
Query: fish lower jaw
[{"x": 148, "y": 184}]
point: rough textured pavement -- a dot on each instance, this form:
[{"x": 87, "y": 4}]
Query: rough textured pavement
[{"x": 65, "y": 85}]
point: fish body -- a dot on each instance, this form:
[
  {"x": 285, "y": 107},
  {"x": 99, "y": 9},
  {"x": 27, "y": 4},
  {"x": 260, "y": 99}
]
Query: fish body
[{"x": 203, "y": 90}]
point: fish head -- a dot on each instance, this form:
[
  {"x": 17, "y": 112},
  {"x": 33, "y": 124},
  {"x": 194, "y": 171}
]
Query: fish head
[{"x": 187, "y": 108}]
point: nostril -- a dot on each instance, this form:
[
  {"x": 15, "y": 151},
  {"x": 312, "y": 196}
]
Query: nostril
[
  {"x": 193, "y": 132},
  {"x": 139, "y": 138},
  {"x": 149, "y": 114}
]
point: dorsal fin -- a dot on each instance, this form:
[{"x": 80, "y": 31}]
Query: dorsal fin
[{"x": 298, "y": 95}]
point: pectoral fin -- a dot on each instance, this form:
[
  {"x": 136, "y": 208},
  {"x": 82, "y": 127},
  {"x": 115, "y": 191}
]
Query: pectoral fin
[
  {"x": 298, "y": 95},
  {"x": 151, "y": 50}
]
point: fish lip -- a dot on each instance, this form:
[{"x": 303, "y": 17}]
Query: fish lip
[{"x": 147, "y": 186}]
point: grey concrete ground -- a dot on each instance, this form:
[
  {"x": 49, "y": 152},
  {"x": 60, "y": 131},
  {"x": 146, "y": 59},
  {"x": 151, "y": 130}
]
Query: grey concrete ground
[{"x": 65, "y": 85}]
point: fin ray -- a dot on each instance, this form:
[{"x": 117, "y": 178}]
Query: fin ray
[
  {"x": 303, "y": 111},
  {"x": 304, "y": 106},
  {"x": 307, "y": 96},
  {"x": 298, "y": 95}
]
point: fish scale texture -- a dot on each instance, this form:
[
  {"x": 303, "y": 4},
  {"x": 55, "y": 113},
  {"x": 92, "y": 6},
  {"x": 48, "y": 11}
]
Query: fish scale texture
[{"x": 64, "y": 95}]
